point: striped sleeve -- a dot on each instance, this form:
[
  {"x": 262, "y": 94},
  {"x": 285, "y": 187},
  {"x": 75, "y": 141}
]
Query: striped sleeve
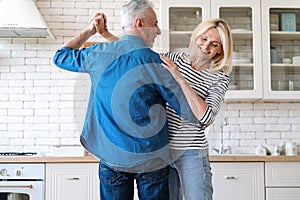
[{"x": 211, "y": 88}]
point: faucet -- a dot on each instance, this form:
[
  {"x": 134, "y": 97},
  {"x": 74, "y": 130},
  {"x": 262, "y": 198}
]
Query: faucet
[{"x": 222, "y": 149}]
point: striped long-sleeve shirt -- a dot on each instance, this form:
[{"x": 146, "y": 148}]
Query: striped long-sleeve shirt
[{"x": 211, "y": 87}]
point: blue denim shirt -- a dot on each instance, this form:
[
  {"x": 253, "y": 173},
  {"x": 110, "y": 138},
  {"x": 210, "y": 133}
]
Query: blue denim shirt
[{"x": 125, "y": 123}]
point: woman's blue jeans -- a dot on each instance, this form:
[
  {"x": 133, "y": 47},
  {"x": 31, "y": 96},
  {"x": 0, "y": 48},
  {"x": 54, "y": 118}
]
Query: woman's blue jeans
[
  {"x": 190, "y": 175},
  {"x": 118, "y": 185}
]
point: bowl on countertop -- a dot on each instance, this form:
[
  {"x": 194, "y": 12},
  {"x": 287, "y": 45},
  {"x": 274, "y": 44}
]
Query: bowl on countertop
[{"x": 68, "y": 150}]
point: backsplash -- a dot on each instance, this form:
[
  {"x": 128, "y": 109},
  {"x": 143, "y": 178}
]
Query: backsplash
[{"x": 42, "y": 106}]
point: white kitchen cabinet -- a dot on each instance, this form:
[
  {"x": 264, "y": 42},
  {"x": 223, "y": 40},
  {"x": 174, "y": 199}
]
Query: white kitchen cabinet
[
  {"x": 282, "y": 180},
  {"x": 76, "y": 181},
  {"x": 238, "y": 180},
  {"x": 257, "y": 27},
  {"x": 179, "y": 18},
  {"x": 244, "y": 18},
  {"x": 281, "y": 31}
]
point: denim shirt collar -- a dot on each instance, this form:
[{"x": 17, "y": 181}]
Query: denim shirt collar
[{"x": 134, "y": 40}]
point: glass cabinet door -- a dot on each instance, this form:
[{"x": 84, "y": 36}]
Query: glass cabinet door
[
  {"x": 244, "y": 17},
  {"x": 281, "y": 37},
  {"x": 183, "y": 20},
  {"x": 244, "y": 20},
  {"x": 179, "y": 19}
]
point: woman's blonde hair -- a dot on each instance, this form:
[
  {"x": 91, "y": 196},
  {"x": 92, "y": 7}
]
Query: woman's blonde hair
[{"x": 222, "y": 61}]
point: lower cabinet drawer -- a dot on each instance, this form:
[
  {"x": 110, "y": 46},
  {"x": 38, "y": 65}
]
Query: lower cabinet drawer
[
  {"x": 282, "y": 174},
  {"x": 282, "y": 193}
]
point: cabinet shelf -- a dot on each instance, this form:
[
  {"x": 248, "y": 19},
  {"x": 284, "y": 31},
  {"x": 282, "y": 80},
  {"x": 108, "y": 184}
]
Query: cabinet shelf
[
  {"x": 243, "y": 64},
  {"x": 242, "y": 35},
  {"x": 180, "y": 32},
  {"x": 281, "y": 65},
  {"x": 239, "y": 35},
  {"x": 285, "y": 35}
]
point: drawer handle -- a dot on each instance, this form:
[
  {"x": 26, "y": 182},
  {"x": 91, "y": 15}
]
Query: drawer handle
[
  {"x": 230, "y": 177},
  {"x": 73, "y": 179},
  {"x": 16, "y": 186}
]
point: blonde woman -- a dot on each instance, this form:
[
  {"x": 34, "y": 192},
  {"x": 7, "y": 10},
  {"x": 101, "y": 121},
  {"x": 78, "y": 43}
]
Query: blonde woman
[{"x": 204, "y": 84}]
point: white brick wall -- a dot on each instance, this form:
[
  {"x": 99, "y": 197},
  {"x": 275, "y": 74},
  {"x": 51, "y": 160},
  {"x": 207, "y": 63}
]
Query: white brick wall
[
  {"x": 252, "y": 124},
  {"x": 42, "y": 106}
]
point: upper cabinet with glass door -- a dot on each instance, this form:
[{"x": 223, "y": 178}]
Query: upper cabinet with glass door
[
  {"x": 179, "y": 18},
  {"x": 281, "y": 49},
  {"x": 244, "y": 20}
]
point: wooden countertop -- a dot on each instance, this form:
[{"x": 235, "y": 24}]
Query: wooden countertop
[
  {"x": 48, "y": 159},
  {"x": 252, "y": 158},
  {"x": 92, "y": 159}
]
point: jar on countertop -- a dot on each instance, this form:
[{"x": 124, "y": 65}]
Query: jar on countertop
[
  {"x": 276, "y": 150},
  {"x": 291, "y": 149},
  {"x": 261, "y": 151}
]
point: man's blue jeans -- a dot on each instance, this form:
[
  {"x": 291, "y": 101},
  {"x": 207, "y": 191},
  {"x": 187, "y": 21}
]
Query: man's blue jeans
[{"x": 118, "y": 185}]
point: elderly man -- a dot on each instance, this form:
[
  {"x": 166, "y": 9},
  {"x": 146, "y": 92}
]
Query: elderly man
[{"x": 125, "y": 125}]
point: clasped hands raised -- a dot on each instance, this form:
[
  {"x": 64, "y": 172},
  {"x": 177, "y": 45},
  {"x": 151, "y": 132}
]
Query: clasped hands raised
[{"x": 97, "y": 23}]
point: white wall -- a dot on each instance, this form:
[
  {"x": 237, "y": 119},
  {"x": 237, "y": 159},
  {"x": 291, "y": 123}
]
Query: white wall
[{"x": 42, "y": 106}]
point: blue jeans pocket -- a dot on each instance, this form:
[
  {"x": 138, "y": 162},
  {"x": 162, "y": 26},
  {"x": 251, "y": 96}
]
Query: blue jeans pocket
[
  {"x": 115, "y": 185},
  {"x": 111, "y": 176},
  {"x": 153, "y": 185},
  {"x": 157, "y": 175}
]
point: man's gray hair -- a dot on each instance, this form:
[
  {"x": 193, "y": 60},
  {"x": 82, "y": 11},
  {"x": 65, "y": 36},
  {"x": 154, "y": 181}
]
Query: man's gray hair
[{"x": 132, "y": 10}]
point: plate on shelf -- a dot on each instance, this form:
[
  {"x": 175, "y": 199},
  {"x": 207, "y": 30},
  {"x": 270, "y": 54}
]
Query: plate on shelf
[
  {"x": 241, "y": 60},
  {"x": 237, "y": 30}
]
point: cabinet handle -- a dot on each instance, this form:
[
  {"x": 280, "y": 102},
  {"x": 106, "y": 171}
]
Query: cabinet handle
[
  {"x": 230, "y": 177},
  {"x": 16, "y": 186},
  {"x": 73, "y": 178}
]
